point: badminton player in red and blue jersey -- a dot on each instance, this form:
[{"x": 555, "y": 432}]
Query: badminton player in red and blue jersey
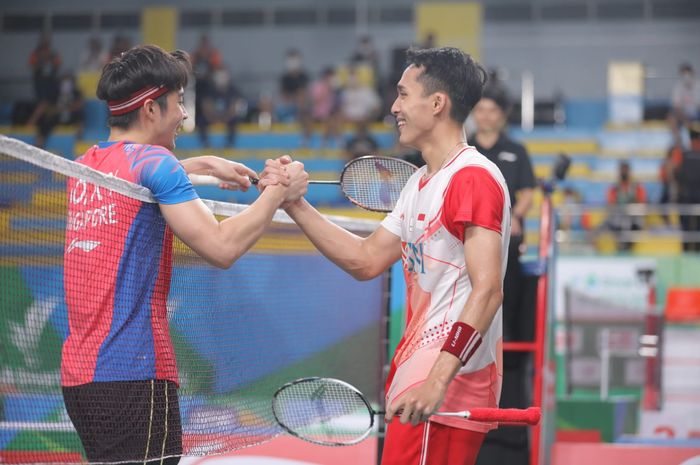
[{"x": 119, "y": 373}]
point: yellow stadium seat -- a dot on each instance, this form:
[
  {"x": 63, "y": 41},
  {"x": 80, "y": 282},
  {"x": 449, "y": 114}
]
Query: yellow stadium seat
[
  {"x": 550, "y": 146},
  {"x": 606, "y": 243},
  {"x": 668, "y": 244},
  {"x": 5, "y": 220}
]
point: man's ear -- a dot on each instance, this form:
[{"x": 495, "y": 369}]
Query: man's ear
[
  {"x": 440, "y": 102},
  {"x": 149, "y": 108}
]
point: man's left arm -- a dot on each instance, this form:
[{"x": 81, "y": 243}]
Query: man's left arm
[
  {"x": 525, "y": 192},
  {"x": 523, "y": 202},
  {"x": 482, "y": 251}
]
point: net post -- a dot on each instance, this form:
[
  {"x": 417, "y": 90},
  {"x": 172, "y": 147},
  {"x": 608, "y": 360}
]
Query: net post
[
  {"x": 546, "y": 250},
  {"x": 384, "y": 364}
]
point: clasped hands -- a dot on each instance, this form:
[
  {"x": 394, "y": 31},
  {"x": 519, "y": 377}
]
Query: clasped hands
[{"x": 283, "y": 173}]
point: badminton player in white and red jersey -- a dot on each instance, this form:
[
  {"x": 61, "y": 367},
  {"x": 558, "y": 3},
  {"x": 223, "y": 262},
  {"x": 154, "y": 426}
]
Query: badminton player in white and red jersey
[{"x": 451, "y": 228}]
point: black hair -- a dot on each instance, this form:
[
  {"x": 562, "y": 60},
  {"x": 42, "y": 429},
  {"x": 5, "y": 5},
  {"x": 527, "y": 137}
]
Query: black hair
[
  {"x": 452, "y": 71},
  {"x": 139, "y": 67},
  {"x": 694, "y": 131},
  {"x": 685, "y": 67},
  {"x": 499, "y": 95}
]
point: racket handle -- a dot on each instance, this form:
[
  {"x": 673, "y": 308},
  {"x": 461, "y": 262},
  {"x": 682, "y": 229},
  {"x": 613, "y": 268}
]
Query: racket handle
[
  {"x": 207, "y": 180},
  {"x": 515, "y": 416},
  {"x": 528, "y": 416}
]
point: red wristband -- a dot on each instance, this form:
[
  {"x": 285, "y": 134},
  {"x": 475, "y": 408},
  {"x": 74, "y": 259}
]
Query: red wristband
[{"x": 462, "y": 342}]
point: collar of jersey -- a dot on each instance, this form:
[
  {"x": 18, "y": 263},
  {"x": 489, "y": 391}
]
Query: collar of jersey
[
  {"x": 109, "y": 143},
  {"x": 105, "y": 144}
]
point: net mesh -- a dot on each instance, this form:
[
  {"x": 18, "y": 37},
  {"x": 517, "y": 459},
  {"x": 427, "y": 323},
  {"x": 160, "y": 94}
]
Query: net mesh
[
  {"x": 280, "y": 313},
  {"x": 595, "y": 326},
  {"x": 325, "y": 411},
  {"x": 375, "y": 183}
]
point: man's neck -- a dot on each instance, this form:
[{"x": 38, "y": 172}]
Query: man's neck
[
  {"x": 136, "y": 136},
  {"x": 487, "y": 139},
  {"x": 442, "y": 146}
]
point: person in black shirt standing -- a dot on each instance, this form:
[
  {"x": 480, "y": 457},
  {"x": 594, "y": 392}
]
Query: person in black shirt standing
[
  {"x": 689, "y": 182},
  {"x": 490, "y": 116}
]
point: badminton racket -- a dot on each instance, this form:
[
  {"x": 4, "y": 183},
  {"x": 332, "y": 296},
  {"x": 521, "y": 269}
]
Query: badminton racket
[
  {"x": 371, "y": 182},
  {"x": 331, "y": 412}
]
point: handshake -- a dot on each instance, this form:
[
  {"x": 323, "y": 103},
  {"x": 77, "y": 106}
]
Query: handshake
[{"x": 286, "y": 176}]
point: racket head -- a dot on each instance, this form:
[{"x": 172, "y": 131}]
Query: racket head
[
  {"x": 324, "y": 411},
  {"x": 375, "y": 183}
]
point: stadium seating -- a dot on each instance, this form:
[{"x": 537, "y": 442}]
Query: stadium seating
[{"x": 595, "y": 155}]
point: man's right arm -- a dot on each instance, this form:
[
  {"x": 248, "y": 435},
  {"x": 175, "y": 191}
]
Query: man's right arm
[
  {"x": 363, "y": 258},
  {"x": 222, "y": 243}
]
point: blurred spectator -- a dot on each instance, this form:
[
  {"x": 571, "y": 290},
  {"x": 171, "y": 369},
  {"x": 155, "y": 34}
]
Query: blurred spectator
[
  {"x": 120, "y": 44},
  {"x": 490, "y": 139},
  {"x": 67, "y": 108},
  {"x": 361, "y": 143},
  {"x": 221, "y": 103},
  {"x": 359, "y": 102},
  {"x": 685, "y": 100},
  {"x": 294, "y": 84},
  {"x": 571, "y": 196},
  {"x": 668, "y": 176},
  {"x": 45, "y": 64},
  {"x": 366, "y": 53},
  {"x": 496, "y": 86},
  {"x": 689, "y": 186},
  {"x": 205, "y": 60},
  {"x": 93, "y": 58},
  {"x": 265, "y": 110},
  {"x": 324, "y": 104},
  {"x": 430, "y": 41},
  {"x": 624, "y": 192}
]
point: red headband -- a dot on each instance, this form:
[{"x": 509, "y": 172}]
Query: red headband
[{"x": 135, "y": 100}]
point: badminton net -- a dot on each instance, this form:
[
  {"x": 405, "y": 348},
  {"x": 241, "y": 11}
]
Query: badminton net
[{"x": 281, "y": 312}]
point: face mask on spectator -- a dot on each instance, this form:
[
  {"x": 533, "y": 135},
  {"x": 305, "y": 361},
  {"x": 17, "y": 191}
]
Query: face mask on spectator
[
  {"x": 687, "y": 78},
  {"x": 293, "y": 63}
]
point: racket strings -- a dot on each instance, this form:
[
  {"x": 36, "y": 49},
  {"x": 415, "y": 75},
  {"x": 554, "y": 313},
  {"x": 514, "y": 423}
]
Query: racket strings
[
  {"x": 375, "y": 184},
  {"x": 323, "y": 412}
]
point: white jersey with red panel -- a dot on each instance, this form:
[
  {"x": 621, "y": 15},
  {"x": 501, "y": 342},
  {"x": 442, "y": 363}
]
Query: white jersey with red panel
[{"x": 469, "y": 189}]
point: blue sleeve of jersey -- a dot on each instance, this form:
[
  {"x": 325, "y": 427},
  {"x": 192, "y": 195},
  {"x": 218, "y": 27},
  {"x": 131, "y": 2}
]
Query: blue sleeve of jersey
[{"x": 163, "y": 174}]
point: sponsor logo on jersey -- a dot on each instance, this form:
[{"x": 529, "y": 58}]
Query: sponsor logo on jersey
[{"x": 413, "y": 257}]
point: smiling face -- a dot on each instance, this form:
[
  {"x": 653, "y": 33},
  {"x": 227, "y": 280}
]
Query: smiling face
[
  {"x": 170, "y": 120},
  {"x": 413, "y": 109}
]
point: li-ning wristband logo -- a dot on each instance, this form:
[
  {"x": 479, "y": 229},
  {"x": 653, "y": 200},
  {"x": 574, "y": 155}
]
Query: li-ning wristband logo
[
  {"x": 458, "y": 333},
  {"x": 462, "y": 342}
]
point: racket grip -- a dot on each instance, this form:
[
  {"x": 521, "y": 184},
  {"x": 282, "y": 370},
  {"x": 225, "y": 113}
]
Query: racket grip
[
  {"x": 530, "y": 416},
  {"x": 207, "y": 180}
]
